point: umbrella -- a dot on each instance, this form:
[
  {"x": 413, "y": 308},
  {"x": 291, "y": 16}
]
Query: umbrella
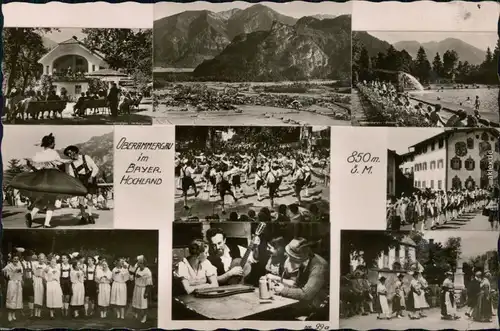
[{"x": 50, "y": 182}]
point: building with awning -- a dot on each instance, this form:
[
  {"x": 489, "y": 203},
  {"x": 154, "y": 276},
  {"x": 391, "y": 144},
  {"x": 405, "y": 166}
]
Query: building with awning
[
  {"x": 68, "y": 65},
  {"x": 108, "y": 75}
]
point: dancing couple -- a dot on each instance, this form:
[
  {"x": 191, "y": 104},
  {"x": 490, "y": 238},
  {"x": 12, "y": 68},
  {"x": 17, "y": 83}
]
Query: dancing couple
[{"x": 52, "y": 178}]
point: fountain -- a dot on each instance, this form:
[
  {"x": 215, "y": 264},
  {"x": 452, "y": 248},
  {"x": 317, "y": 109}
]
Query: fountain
[{"x": 411, "y": 80}]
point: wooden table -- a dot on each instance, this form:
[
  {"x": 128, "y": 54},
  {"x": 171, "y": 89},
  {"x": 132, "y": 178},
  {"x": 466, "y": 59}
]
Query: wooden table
[{"x": 238, "y": 306}]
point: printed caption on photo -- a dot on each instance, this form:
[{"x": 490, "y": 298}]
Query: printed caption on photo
[{"x": 142, "y": 170}]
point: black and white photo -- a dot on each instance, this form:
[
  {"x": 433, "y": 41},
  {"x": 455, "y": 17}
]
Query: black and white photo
[
  {"x": 252, "y": 64},
  {"x": 252, "y": 173},
  {"x": 77, "y": 76},
  {"x": 57, "y": 176},
  {"x": 71, "y": 279},
  {"x": 419, "y": 280},
  {"x": 443, "y": 179},
  {"x": 251, "y": 271},
  {"x": 425, "y": 79}
]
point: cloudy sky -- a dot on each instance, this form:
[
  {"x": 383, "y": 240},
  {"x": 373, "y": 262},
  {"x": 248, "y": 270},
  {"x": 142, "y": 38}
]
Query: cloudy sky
[
  {"x": 295, "y": 9},
  {"x": 473, "y": 242},
  {"x": 481, "y": 40},
  {"x": 399, "y": 139},
  {"x": 23, "y": 139},
  {"x": 425, "y": 16}
]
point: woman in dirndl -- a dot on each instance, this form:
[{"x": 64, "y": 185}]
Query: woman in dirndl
[
  {"x": 77, "y": 288},
  {"x": 483, "y": 311},
  {"x": 422, "y": 299},
  {"x": 398, "y": 301},
  {"x": 47, "y": 182},
  {"x": 38, "y": 284},
  {"x": 448, "y": 305},
  {"x": 119, "y": 288},
  {"x": 381, "y": 303},
  {"x": 104, "y": 278},
  {"x": 142, "y": 289},
  {"x": 90, "y": 286},
  {"x": 52, "y": 276},
  {"x": 14, "y": 298},
  {"x": 413, "y": 300}
]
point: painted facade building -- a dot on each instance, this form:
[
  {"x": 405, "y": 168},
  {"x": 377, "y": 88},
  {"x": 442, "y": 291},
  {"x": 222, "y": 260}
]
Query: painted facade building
[{"x": 455, "y": 158}]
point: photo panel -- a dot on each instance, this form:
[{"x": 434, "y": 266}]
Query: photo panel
[
  {"x": 443, "y": 179},
  {"x": 437, "y": 75},
  {"x": 144, "y": 159},
  {"x": 252, "y": 64},
  {"x": 72, "y": 278},
  {"x": 250, "y": 173},
  {"x": 251, "y": 271},
  {"x": 93, "y": 71},
  {"x": 58, "y": 177},
  {"x": 358, "y": 170},
  {"x": 422, "y": 280},
  {"x": 416, "y": 178}
]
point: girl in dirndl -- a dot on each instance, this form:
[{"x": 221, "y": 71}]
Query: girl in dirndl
[
  {"x": 38, "y": 284},
  {"x": 448, "y": 305},
  {"x": 44, "y": 164},
  {"x": 382, "y": 305},
  {"x": 54, "y": 293},
  {"x": 90, "y": 286},
  {"x": 422, "y": 299},
  {"x": 398, "y": 301},
  {"x": 77, "y": 288},
  {"x": 65, "y": 282},
  {"x": 14, "y": 298},
  {"x": 104, "y": 277},
  {"x": 119, "y": 288},
  {"x": 142, "y": 289}
]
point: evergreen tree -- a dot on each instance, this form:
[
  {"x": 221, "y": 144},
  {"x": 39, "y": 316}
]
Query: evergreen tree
[
  {"x": 450, "y": 60},
  {"x": 422, "y": 66},
  {"x": 437, "y": 65}
]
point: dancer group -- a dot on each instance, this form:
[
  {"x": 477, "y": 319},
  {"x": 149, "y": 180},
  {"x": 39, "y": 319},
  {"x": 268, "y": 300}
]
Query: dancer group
[
  {"x": 413, "y": 298},
  {"x": 75, "y": 286},
  {"x": 226, "y": 173},
  {"x": 52, "y": 178},
  {"x": 439, "y": 207}
]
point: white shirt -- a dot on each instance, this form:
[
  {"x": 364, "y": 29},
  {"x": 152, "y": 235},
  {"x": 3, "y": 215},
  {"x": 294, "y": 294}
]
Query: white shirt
[
  {"x": 90, "y": 164},
  {"x": 196, "y": 277}
]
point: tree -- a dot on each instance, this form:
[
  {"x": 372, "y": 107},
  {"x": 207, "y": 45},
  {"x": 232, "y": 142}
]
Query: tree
[
  {"x": 127, "y": 49},
  {"x": 437, "y": 65},
  {"x": 450, "y": 60},
  {"x": 14, "y": 167},
  {"x": 422, "y": 65},
  {"x": 22, "y": 49}
]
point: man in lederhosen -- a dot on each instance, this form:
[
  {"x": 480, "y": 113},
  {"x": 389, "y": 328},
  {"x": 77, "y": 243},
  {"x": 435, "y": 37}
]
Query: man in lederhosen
[
  {"x": 85, "y": 169},
  {"x": 28, "y": 289}
]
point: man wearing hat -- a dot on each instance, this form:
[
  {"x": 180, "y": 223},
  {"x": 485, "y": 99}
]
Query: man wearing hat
[
  {"x": 311, "y": 287},
  {"x": 84, "y": 168}
]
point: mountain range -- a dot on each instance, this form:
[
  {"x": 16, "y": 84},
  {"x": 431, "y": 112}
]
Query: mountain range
[
  {"x": 465, "y": 51},
  {"x": 253, "y": 43}
]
